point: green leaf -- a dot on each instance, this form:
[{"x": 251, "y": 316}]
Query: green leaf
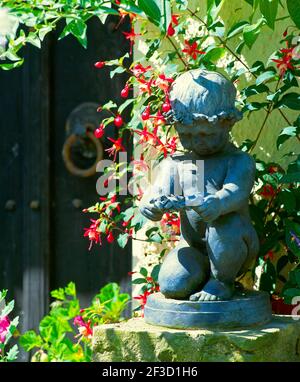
[
  {"x": 34, "y": 40},
  {"x": 12, "y": 353},
  {"x": 139, "y": 281},
  {"x": 251, "y": 32},
  {"x": 11, "y": 66},
  {"x": 117, "y": 70},
  {"x": 236, "y": 28},
  {"x": 268, "y": 278},
  {"x": 269, "y": 10},
  {"x": 286, "y": 133},
  {"x": 123, "y": 239},
  {"x": 144, "y": 272},
  {"x": 59, "y": 294},
  {"x": 109, "y": 105},
  {"x": 138, "y": 221},
  {"x": 214, "y": 54},
  {"x": 151, "y": 9},
  {"x": 77, "y": 28},
  {"x": 265, "y": 76},
  {"x": 290, "y": 100},
  {"x": 287, "y": 198},
  {"x": 7, "y": 309},
  {"x": 290, "y": 178},
  {"x": 155, "y": 272},
  {"x": 293, "y": 8},
  {"x": 71, "y": 289},
  {"x": 30, "y": 340},
  {"x": 125, "y": 104}
]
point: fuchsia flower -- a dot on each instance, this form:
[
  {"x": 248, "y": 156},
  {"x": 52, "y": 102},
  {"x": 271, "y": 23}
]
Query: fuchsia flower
[
  {"x": 267, "y": 192},
  {"x": 192, "y": 49},
  {"x": 131, "y": 37},
  {"x": 116, "y": 147},
  {"x": 84, "y": 328},
  {"x": 92, "y": 233},
  {"x": 163, "y": 82},
  {"x": 139, "y": 69},
  {"x": 4, "y": 325},
  {"x": 171, "y": 30},
  {"x": 143, "y": 299},
  {"x": 284, "y": 63}
]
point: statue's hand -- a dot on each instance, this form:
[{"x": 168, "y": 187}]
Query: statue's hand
[
  {"x": 151, "y": 212},
  {"x": 210, "y": 208}
]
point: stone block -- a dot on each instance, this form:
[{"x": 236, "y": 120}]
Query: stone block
[{"x": 136, "y": 341}]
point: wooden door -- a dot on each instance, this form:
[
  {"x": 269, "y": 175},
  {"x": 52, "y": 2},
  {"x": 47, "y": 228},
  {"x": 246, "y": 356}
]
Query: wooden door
[{"x": 41, "y": 236}]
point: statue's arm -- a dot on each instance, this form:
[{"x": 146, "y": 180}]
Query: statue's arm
[
  {"x": 238, "y": 183},
  {"x": 166, "y": 183}
]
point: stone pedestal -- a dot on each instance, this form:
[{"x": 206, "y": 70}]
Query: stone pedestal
[
  {"x": 134, "y": 340},
  {"x": 246, "y": 309}
]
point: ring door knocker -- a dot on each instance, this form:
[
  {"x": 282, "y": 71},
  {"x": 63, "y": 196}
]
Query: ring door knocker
[{"x": 82, "y": 150}]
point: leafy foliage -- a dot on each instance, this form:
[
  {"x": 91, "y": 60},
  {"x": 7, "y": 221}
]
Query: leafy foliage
[{"x": 58, "y": 338}]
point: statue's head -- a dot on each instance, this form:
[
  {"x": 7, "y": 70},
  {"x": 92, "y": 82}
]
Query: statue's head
[{"x": 203, "y": 110}]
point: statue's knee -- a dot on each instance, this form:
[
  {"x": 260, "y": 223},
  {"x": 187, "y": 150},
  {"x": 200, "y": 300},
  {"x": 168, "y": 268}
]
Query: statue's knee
[{"x": 183, "y": 271}]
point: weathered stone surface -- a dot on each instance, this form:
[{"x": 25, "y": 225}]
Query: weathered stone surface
[{"x": 134, "y": 340}]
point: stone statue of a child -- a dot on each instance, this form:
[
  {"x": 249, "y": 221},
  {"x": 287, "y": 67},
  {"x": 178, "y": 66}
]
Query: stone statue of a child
[{"x": 218, "y": 241}]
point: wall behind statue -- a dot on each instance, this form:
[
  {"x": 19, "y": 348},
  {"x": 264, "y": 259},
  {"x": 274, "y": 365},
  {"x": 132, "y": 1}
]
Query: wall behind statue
[{"x": 145, "y": 254}]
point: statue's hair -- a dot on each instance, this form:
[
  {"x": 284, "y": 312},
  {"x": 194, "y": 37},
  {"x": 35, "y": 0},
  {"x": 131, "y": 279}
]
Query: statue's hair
[{"x": 202, "y": 95}]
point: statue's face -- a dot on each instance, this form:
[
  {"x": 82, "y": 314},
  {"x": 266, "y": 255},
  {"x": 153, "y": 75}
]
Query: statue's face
[{"x": 203, "y": 138}]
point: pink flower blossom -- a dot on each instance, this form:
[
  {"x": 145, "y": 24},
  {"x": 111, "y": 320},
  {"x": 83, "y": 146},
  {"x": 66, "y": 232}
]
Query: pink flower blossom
[{"x": 4, "y": 325}]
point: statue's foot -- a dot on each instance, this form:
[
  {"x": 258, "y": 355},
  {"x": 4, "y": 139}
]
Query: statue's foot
[{"x": 214, "y": 290}]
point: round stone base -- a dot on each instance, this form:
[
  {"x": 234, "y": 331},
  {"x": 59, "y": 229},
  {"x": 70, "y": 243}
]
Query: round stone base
[{"x": 244, "y": 310}]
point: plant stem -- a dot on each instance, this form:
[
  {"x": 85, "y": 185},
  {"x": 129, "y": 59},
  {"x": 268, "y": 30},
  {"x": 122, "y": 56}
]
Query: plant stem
[{"x": 177, "y": 52}]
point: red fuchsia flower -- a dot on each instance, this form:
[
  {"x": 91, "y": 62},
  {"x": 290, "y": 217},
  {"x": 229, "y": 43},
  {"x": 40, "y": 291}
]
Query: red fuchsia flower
[
  {"x": 125, "y": 91},
  {"x": 145, "y": 86},
  {"x": 138, "y": 70},
  {"x": 269, "y": 256},
  {"x": 92, "y": 233},
  {"x": 192, "y": 49},
  {"x": 146, "y": 136},
  {"x": 171, "y": 145},
  {"x": 163, "y": 82},
  {"x": 267, "y": 192},
  {"x": 84, "y": 328},
  {"x": 284, "y": 63},
  {"x": 110, "y": 237},
  {"x": 118, "y": 121},
  {"x": 273, "y": 169},
  {"x": 171, "y": 30},
  {"x": 131, "y": 37},
  {"x": 4, "y": 325},
  {"x": 146, "y": 113},
  {"x": 99, "y": 64},
  {"x": 116, "y": 147},
  {"x": 106, "y": 182},
  {"x": 143, "y": 299},
  {"x": 99, "y": 132},
  {"x": 110, "y": 201}
]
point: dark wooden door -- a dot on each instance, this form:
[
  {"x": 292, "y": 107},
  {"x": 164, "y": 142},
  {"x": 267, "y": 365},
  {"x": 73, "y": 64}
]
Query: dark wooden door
[{"x": 41, "y": 236}]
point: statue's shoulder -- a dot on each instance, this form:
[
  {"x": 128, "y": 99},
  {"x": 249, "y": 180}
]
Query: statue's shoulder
[{"x": 243, "y": 160}]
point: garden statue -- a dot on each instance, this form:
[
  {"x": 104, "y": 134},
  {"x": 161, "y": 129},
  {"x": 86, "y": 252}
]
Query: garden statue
[{"x": 209, "y": 183}]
